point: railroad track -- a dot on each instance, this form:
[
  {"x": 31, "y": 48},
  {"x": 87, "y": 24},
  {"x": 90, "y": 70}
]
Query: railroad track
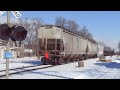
[
  {"x": 23, "y": 69},
  {"x": 26, "y": 69}
]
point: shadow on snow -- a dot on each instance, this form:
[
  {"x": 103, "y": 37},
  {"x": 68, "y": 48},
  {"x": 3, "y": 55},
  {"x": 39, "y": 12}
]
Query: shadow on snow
[
  {"x": 109, "y": 64},
  {"x": 33, "y": 62},
  {"x": 48, "y": 73}
]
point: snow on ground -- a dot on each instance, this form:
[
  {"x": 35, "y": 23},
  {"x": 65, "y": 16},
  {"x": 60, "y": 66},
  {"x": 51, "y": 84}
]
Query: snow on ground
[
  {"x": 19, "y": 62},
  {"x": 93, "y": 69}
]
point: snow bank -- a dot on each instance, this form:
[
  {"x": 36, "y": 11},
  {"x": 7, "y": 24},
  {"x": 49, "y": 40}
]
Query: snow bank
[{"x": 93, "y": 69}]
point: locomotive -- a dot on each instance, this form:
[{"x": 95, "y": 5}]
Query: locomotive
[{"x": 65, "y": 46}]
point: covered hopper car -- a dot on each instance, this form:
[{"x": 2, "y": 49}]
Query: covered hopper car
[{"x": 64, "y": 46}]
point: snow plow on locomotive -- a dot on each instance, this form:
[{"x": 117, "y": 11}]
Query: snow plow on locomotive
[{"x": 59, "y": 46}]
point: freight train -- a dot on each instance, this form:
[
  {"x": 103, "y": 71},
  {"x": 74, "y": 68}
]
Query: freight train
[{"x": 64, "y": 46}]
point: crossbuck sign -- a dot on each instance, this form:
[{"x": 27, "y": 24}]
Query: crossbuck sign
[
  {"x": 15, "y": 13},
  {"x": 1, "y": 12}
]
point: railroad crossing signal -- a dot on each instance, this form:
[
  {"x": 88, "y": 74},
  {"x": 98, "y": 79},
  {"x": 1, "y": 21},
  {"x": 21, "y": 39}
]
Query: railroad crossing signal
[
  {"x": 6, "y": 30},
  {"x": 1, "y": 12},
  {"x": 15, "y": 33},
  {"x": 15, "y": 13}
]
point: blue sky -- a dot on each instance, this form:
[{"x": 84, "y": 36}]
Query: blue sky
[{"x": 104, "y": 25}]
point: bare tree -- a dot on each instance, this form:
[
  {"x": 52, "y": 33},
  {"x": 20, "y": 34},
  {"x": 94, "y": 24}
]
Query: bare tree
[
  {"x": 3, "y": 42},
  {"x": 102, "y": 43},
  {"x": 60, "y": 21},
  {"x": 36, "y": 24},
  {"x": 89, "y": 36},
  {"x": 84, "y": 33},
  {"x": 66, "y": 24},
  {"x": 31, "y": 25},
  {"x": 27, "y": 25},
  {"x": 72, "y": 25}
]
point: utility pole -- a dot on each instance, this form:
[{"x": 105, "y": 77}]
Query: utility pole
[{"x": 7, "y": 47}]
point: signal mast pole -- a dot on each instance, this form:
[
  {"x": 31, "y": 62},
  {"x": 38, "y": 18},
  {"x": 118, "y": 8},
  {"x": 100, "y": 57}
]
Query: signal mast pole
[{"x": 7, "y": 48}]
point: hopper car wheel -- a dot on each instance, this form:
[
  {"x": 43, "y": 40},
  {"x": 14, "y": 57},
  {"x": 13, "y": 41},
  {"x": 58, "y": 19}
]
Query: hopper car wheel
[
  {"x": 54, "y": 60},
  {"x": 95, "y": 56},
  {"x": 44, "y": 61},
  {"x": 60, "y": 61},
  {"x": 82, "y": 57},
  {"x": 65, "y": 61},
  {"x": 86, "y": 57}
]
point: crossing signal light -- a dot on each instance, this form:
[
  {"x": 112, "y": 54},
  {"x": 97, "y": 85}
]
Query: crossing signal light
[
  {"x": 19, "y": 33},
  {"x": 5, "y": 32},
  {"x": 15, "y": 33}
]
